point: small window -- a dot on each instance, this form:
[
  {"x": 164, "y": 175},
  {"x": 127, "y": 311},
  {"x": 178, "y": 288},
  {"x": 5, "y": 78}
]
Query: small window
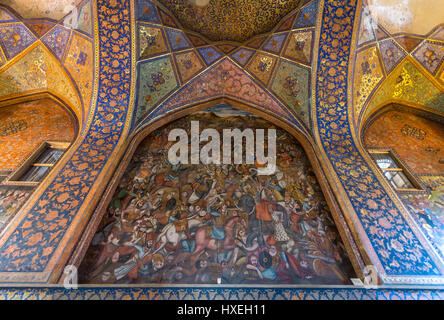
[
  {"x": 394, "y": 171},
  {"x": 38, "y": 164}
]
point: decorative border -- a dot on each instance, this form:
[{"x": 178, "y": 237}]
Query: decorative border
[{"x": 221, "y": 293}]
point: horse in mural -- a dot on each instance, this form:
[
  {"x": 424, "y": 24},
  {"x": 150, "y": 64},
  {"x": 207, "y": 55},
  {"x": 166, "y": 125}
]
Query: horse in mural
[
  {"x": 204, "y": 241},
  {"x": 170, "y": 234}
]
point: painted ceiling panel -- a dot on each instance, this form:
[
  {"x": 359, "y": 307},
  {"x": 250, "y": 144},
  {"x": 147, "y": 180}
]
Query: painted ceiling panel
[
  {"x": 407, "y": 83},
  {"x": 39, "y": 71},
  {"x": 395, "y": 44},
  {"x": 409, "y": 16},
  {"x": 233, "y": 20},
  {"x": 15, "y": 38},
  {"x": 53, "y": 9}
]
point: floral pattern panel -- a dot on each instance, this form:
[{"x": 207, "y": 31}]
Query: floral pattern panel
[{"x": 207, "y": 224}]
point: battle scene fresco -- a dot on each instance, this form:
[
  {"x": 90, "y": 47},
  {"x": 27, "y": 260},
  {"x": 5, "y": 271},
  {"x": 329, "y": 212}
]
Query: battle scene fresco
[{"x": 207, "y": 224}]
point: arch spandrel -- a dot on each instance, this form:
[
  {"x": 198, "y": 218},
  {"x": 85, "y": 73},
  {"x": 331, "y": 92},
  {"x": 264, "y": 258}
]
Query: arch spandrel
[
  {"x": 42, "y": 55},
  {"x": 351, "y": 166}
]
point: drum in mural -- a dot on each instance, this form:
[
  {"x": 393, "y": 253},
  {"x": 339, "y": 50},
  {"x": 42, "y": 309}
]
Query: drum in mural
[{"x": 206, "y": 224}]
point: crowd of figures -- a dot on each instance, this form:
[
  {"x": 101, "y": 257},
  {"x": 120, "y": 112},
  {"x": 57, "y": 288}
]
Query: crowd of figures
[{"x": 203, "y": 224}]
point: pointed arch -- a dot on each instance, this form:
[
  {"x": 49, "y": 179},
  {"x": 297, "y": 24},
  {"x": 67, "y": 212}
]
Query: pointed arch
[{"x": 137, "y": 137}]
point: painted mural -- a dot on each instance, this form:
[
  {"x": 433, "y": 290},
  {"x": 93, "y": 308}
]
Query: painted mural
[
  {"x": 24, "y": 126},
  {"x": 11, "y": 200},
  {"x": 418, "y": 141},
  {"x": 428, "y": 210},
  {"x": 205, "y": 224}
]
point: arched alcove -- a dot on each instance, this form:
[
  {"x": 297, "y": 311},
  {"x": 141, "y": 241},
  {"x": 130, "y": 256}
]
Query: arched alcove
[
  {"x": 272, "y": 229},
  {"x": 411, "y": 141},
  {"x": 34, "y": 135}
]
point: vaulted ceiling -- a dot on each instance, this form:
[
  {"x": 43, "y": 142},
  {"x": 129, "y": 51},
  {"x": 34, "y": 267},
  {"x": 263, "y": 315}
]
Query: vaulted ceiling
[
  {"x": 48, "y": 45},
  {"x": 231, "y": 20}
]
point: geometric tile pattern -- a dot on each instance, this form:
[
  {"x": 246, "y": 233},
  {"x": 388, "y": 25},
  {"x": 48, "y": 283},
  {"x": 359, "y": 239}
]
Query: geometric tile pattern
[
  {"x": 291, "y": 85},
  {"x": 391, "y": 53},
  {"x": 307, "y": 15},
  {"x": 209, "y": 54},
  {"x": 188, "y": 64},
  {"x": 242, "y": 56},
  {"x": 31, "y": 245},
  {"x": 430, "y": 54},
  {"x": 15, "y": 38},
  {"x": 56, "y": 40},
  {"x": 146, "y": 11},
  {"x": 333, "y": 123},
  {"x": 375, "y": 212},
  {"x": 167, "y": 37},
  {"x": 177, "y": 39},
  {"x": 224, "y": 79},
  {"x": 427, "y": 50},
  {"x": 151, "y": 41},
  {"x": 275, "y": 43},
  {"x": 299, "y": 47}
]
